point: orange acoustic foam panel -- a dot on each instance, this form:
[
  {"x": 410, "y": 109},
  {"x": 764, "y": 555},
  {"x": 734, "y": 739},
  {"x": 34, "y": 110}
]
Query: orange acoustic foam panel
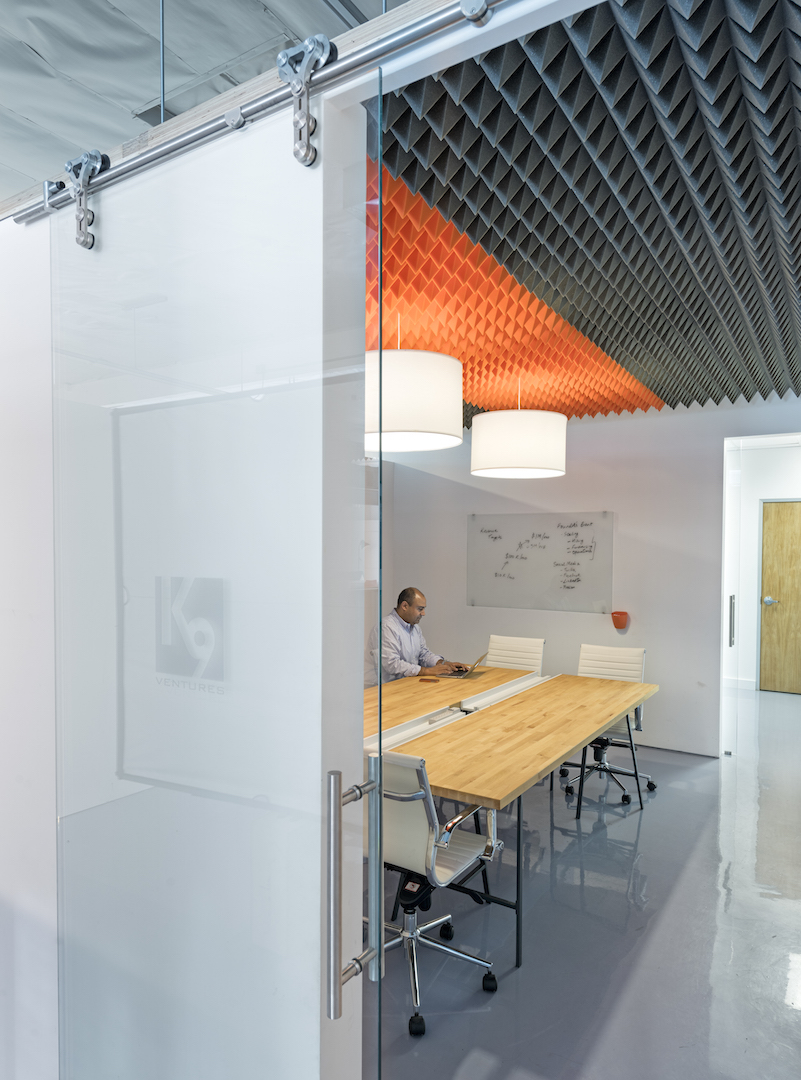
[{"x": 449, "y": 296}]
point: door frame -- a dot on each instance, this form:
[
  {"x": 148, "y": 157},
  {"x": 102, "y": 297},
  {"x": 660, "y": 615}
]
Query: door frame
[{"x": 758, "y": 678}]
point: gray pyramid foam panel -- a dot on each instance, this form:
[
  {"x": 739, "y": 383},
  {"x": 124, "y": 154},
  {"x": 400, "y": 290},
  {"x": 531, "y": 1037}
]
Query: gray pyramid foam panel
[{"x": 636, "y": 167}]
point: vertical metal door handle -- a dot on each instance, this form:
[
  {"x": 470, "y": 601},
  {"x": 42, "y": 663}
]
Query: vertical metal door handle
[
  {"x": 375, "y": 873},
  {"x": 336, "y": 975},
  {"x": 731, "y": 621},
  {"x": 334, "y": 920}
]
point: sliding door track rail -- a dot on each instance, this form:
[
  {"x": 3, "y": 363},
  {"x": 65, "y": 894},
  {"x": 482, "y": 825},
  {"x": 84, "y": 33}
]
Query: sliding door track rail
[{"x": 362, "y": 59}]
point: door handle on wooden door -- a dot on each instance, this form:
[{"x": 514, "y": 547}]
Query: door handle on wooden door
[{"x": 769, "y": 600}]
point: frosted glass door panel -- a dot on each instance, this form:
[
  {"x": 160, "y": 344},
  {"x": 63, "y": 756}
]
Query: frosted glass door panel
[
  {"x": 215, "y": 554},
  {"x": 210, "y": 483}
]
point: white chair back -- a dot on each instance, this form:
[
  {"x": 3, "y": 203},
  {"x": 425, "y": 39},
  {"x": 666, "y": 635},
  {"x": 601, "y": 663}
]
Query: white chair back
[
  {"x": 614, "y": 662},
  {"x": 522, "y": 653},
  {"x": 414, "y": 838},
  {"x": 410, "y": 828}
]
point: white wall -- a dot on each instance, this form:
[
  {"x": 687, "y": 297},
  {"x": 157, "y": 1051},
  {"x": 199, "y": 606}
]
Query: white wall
[
  {"x": 28, "y": 964},
  {"x": 753, "y": 473},
  {"x": 662, "y": 475}
]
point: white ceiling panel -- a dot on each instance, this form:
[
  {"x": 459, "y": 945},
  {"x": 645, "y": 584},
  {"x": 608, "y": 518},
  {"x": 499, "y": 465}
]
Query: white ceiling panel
[
  {"x": 92, "y": 43},
  {"x": 205, "y": 34},
  {"x": 11, "y": 180},
  {"x": 76, "y": 73},
  {"x": 35, "y": 90},
  {"x": 33, "y": 144}
]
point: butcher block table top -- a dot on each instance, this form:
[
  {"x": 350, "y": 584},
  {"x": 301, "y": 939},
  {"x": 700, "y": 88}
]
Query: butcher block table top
[
  {"x": 493, "y": 755},
  {"x": 406, "y": 699}
]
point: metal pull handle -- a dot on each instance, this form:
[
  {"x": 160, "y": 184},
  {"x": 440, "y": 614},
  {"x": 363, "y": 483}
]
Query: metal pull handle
[
  {"x": 769, "y": 600},
  {"x": 336, "y": 975},
  {"x": 334, "y": 920}
]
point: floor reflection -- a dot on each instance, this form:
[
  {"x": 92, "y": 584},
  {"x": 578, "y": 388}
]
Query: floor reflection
[
  {"x": 662, "y": 944},
  {"x": 595, "y": 868}
]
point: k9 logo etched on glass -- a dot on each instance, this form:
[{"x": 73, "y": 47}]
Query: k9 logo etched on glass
[{"x": 190, "y": 627}]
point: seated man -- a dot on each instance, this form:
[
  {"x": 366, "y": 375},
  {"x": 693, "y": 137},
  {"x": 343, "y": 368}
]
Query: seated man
[{"x": 404, "y": 651}]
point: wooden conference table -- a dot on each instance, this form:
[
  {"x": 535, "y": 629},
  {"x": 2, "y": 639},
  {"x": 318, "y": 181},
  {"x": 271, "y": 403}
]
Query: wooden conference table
[{"x": 495, "y": 754}]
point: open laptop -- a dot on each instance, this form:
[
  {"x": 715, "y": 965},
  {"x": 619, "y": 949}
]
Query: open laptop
[{"x": 463, "y": 674}]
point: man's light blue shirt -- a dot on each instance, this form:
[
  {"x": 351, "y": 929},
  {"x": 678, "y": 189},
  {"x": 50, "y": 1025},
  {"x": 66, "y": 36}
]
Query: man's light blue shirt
[{"x": 404, "y": 651}]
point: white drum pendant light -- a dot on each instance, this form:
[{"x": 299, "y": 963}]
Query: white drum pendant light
[
  {"x": 518, "y": 444},
  {"x": 422, "y": 401}
]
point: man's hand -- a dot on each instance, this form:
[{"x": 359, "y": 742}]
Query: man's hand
[{"x": 444, "y": 667}]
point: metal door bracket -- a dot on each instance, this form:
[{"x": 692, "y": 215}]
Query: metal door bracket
[
  {"x": 49, "y": 189},
  {"x": 80, "y": 171},
  {"x": 477, "y": 11},
  {"x": 296, "y": 66},
  {"x": 234, "y": 119}
]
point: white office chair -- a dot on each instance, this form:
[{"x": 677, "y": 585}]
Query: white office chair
[
  {"x": 627, "y": 665},
  {"x": 428, "y": 856},
  {"x": 523, "y": 653}
]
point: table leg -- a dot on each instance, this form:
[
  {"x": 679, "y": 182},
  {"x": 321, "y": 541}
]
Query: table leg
[
  {"x": 519, "y": 903},
  {"x": 484, "y": 877},
  {"x": 581, "y": 781}
]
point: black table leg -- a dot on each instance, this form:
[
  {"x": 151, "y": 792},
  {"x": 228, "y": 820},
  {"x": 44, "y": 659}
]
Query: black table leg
[
  {"x": 581, "y": 781},
  {"x": 519, "y": 903},
  {"x": 486, "y": 897}
]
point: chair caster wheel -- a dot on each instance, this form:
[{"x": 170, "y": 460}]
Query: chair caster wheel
[
  {"x": 568, "y": 789},
  {"x": 626, "y": 798},
  {"x": 417, "y": 1025},
  {"x": 651, "y": 785},
  {"x": 490, "y": 983},
  {"x": 563, "y": 772},
  {"x": 446, "y": 931}
]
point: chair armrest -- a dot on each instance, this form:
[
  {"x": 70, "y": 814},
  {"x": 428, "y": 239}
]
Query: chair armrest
[
  {"x": 405, "y": 796},
  {"x": 493, "y": 844},
  {"x": 454, "y": 823}
]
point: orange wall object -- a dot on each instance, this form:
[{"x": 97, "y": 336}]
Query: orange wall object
[{"x": 454, "y": 298}]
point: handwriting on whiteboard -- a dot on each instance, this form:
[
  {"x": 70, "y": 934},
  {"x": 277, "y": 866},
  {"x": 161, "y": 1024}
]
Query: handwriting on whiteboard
[{"x": 550, "y": 561}]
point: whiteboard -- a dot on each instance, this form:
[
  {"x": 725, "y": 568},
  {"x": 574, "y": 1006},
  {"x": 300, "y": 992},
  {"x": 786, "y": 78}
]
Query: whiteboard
[{"x": 553, "y": 562}]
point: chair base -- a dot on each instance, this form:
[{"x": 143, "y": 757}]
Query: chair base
[
  {"x": 611, "y": 770},
  {"x": 602, "y": 766},
  {"x": 412, "y": 936},
  {"x": 602, "y": 770}
]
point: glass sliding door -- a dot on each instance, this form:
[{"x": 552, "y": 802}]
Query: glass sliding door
[
  {"x": 215, "y": 539},
  {"x": 375, "y": 597}
]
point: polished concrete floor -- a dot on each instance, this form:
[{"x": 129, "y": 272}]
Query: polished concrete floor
[{"x": 659, "y": 945}]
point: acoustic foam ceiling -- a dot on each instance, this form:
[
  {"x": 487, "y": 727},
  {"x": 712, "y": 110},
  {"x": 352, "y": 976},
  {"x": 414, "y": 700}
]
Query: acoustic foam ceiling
[
  {"x": 443, "y": 293},
  {"x": 636, "y": 168}
]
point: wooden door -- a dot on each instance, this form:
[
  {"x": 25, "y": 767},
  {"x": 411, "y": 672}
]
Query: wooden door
[{"x": 780, "y": 648}]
